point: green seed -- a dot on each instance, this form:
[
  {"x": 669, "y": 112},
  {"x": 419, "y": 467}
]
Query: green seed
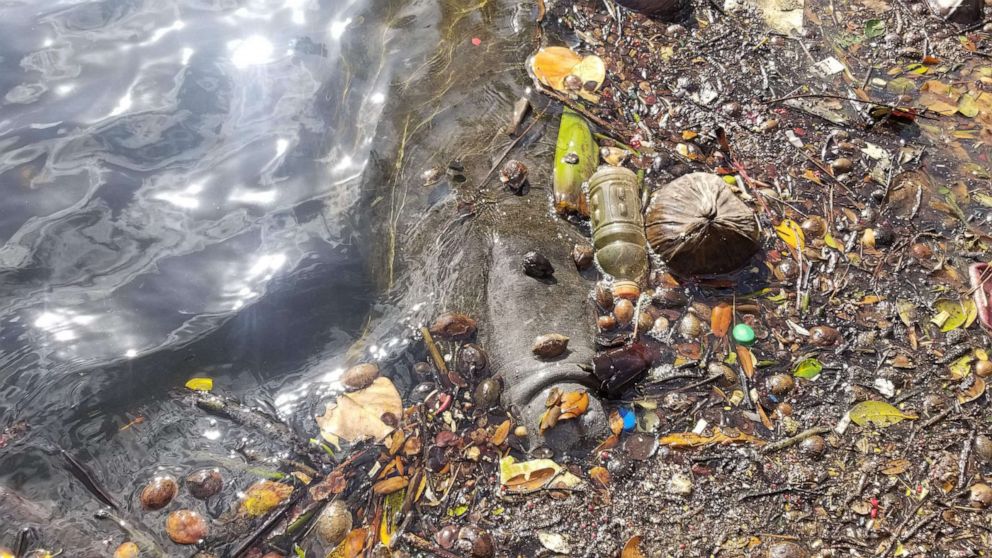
[{"x": 743, "y": 334}]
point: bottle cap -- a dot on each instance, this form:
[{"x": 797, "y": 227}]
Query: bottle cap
[
  {"x": 626, "y": 289},
  {"x": 743, "y": 334}
]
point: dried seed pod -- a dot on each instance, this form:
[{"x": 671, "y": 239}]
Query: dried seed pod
[
  {"x": 453, "y": 325},
  {"x": 186, "y": 527},
  {"x": 624, "y": 311},
  {"x": 550, "y": 346},
  {"x": 360, "y": 376},
  {"x": 537, "y": 266},
  {"x": 159, "y": 493},
  {"x": 204, "y": 483},
  {"x": 699, "y": 226}
]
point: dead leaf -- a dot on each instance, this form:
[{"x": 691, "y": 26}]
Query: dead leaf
[
  {"x": 527, "y": 476},
  {"x": 683, "y": 440},
  {"x": 896, "y": 467},
  {"x": 600, "y": 475},
  {"x": 352, "y": 544},
  {"x": 390, "y": 485},
  {"x": 358, "y": 415},
  {"x": 972, "y": 392},
  {"x": 746, "y": 359},
  {"x": 633, "y": 548},
  {"x": 502, "y": 431},
  {"x": 263, "y": 497},
  {"x": 720, "y": 319}
]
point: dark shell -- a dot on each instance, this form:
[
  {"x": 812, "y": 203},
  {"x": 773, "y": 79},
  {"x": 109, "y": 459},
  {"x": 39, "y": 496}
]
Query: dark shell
[
  {"x": 669, "y": 10},
  {"x": 786, "y": 549},
  {"x": 204, "y": 483},
  {"x": 452, "y": 325},
  {"x": 698, "y": 226},
  {"x": 472, "y": 360},
  {"x": 537, "y": 266},
  {"x": 488, "y": 393},
  {"x": 582, "y": 255},
  {"x": 824, "y": 336},
  {"x": 476, "y": 542},
  {"x": 513, "y": 174}
]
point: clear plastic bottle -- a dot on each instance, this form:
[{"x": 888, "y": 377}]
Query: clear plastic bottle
[{"x": 618, "y": 228}]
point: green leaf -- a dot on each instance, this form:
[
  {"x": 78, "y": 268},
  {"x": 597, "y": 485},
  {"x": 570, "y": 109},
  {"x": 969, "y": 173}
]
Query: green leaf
[
  {"x": 967, "y": 106},
  {"x": 983, "y": 198},
  {"x": 299, "y": 552},
  {"x": 458, "y": 511},
  {"x": 961, "y": 367},
  {"x": 879, "y": 413},
  {"x": 874, "y": 28},
  {"x": 809, "y": 369},
  {"x": 952, "y": 314}
]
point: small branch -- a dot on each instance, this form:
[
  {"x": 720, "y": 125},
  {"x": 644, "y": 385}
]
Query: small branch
[{"x": 789, "y": 442}]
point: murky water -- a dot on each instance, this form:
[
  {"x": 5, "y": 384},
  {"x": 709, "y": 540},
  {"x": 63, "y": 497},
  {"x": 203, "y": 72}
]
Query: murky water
[{"x": 215, "y": 188}]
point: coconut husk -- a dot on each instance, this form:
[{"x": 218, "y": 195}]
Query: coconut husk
[{"x": 698, "y": 226}]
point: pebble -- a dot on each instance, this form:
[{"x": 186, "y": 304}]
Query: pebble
[
  {"x": 159, "y": 492},
  {"x": 334, "y": 523},
  {"x": 620, "y": 466},
  {"x": 537, "y": 266},
  {"x": 921, "y": 251},
  {"x": 680, "y": 485},
  {"x": 624, "y": 311},
  {"x": 520, "y": 432},
  {"x": 513, "y": 175},
  {"x": 551, "y": 345},
  {"x": 360, "y": 376},
  {"x": 204, "y": 483},
  {"x": 582, "y": 255}
]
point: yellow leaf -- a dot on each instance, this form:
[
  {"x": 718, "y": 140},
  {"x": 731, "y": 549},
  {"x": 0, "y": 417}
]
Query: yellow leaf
[
  {"x": 832, "y": 242},
  {"x": 791, "y": 233},
  {"x": 263, "y": 497},
  {"x": 358, "y": 415},
  {"x": 952, "y": 314},
  {"x": 633, "y": 548},
  {"x": 528, "y": 476},
  {"x": 879, "y": 413},
  {"x": 391, "y": 506},
  {"x": 693, "y": 440},
  {"x": 200, "y": 384},
  {"x": 972, "y": 392}
]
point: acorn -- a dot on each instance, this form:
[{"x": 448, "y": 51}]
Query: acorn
[
  {"x": 475, "y": 542},
  {"x": 980, "y": 495},
  {"x": 624, "y": 311},
  {"x": 159, "y": 493},
  {"x": 204, "y": 483},
  {"x": 780, "y": 384}
]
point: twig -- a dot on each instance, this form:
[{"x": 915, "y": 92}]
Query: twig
[
  {"x": 841, "y": 98},
  {"x": 435, "y": 353},
  {"x": 776, "y": 491},
  {"x": 427, "y": 546},
  {"x": 902, "y": 525},
  {"x": 789, "y": 442},
  {"x": 584, "y": 112},
  {"x": 963, "y": 460},
  {"x": 509, "y": 148},
  {"x": 702, "y": 382},
  {"x": 85, "y": 476}
]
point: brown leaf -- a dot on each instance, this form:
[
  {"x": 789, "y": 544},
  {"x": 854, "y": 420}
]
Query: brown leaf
[
  {"x": 390, "y": 485},
  {"x": 972, "y": 392},
  {"x": 554, "y": 398},
  {"x": 764, "y": 418},
  {"x": 263, "y": 497},
  {"x": 746, "y": 358},
  {"x": 720, "y": 319},
  {"x": 550, "y": 418},
  {"x": 896, "y": 466},
  {"x": 453, "y": 325},
  {"x": 358, "y": 415},
  {"x": 574, "y": 403},
  {"x": 600, "y": 475},
  {"x": 692, "y": 440},
  {"x": 609, "y": 443},
  {"x": 352, "y": 544},
  {"x": 502, "y": 431},
  {"x": 396, "y": 443},
  {"x": 412, "y": 446},
  {"x": 633, "y": 548},
  {"x": 616, "y": 423}
]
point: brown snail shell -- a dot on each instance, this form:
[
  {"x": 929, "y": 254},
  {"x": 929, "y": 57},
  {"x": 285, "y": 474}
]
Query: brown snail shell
[
  {"x": 159, "y": 493},
  {"x": 334, "y": 523},
  {"x": 551, "y": 345},
  {"x": 186, "y": 527},
  {"x": 204, "y": 483}
]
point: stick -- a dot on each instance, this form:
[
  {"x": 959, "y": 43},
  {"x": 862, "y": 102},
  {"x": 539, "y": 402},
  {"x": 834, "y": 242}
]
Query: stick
[
  {"x": 435, "y": 353},
  {"x": 85, "y": 476},
  {"x": 902, "y": 525},
  {"x": 425, "y": 545},
  {"x": 789, "y": 442},
  {"x": 841, "y": 98}
]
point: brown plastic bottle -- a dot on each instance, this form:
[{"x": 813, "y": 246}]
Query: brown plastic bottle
[{"x": 618, "y": 228}]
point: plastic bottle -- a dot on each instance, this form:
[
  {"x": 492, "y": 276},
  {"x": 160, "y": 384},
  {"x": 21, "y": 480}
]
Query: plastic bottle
[{"x": 618, "y": 228}]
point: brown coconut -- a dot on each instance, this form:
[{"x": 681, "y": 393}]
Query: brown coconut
[{"x": 698, "y": 226}]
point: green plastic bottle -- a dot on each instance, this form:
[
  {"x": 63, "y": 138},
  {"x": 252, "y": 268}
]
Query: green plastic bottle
[{"x": 618, "y": 228}]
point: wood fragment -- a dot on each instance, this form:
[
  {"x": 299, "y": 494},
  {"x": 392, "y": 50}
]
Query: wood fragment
[{"x": 789, "y": 442}]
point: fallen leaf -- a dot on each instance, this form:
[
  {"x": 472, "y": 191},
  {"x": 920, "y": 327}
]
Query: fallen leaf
[
  {"x": 974, "y": 390},
  {"x": 600, "y": 475},
  {"x": 616, "y": 422},
  {"x": 720, "y": 319},
  {"x": 390, "y": 485},
  {"x": 808, "y": 368},
  {"x": 527, "y": 476},
  {"x": 573, "y": 404},
  {"x": 263, "y": 497},
  {"x": 200, "y": 384},
  {"x": 791, "y": 233},
  {"x": 358, "y": 415},
  {"x": 502, "y": 431},
  {"x": 967, "y": 106},
  {"x": 391, "y": 506},
  {"x": 952, "y": 314},
  {"x": 351, "y": 546},
  {"x": 874, "y": 28},
  {"x": 633, "y": 548},
  {"x": 896, "y": 467},
  {"x": 554, "y": 542},
  {"x": 879, "y": 413},
  {"x": 746, "y": 358},
  {"x": 552, "y": 65}
]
